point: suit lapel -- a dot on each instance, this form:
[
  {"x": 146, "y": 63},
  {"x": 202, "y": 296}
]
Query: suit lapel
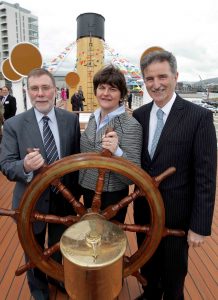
[
  {"x": 33, "y": 131},
  {"x": 90, "y": 132},
  {"x": 146, "y": 118},
  {"x": 62, "y": 128}
]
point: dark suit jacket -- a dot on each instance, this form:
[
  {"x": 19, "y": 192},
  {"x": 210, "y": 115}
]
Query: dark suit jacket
[
  {"x": 22, "y": 132},
  {"x": 10, "y": 107},
  {"x": 76, "y": 102},
  {"x": 188, "y": 142}
]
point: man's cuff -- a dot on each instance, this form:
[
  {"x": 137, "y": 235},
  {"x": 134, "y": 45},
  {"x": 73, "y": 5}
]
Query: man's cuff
[
  {"x": 118, "y": 152},
  {"x": 29, "y": 176}
]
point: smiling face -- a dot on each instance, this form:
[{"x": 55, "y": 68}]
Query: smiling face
[
  {"x": 160, "y": 82},
  {"x": 42, "y": 93},
  {"x": 108, "y": 97}
]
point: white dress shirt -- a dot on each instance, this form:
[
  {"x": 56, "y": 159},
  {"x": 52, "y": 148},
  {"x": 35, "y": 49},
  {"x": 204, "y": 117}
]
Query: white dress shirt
[{"x": 4, "y": 99}]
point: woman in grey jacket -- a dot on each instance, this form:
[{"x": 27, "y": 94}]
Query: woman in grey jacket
[{"x": 124, "y": 141}]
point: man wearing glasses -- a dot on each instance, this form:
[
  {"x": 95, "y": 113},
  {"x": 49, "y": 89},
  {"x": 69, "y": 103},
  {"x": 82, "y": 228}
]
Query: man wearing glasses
[{"x": 52, "y": 133}]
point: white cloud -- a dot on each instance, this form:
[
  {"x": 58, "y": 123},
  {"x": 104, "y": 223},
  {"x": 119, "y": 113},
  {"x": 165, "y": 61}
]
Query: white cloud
[{"x": 187, "y": 28}]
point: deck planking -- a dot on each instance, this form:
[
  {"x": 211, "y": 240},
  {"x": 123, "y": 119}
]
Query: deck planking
[{"x": 201, "y": 282}]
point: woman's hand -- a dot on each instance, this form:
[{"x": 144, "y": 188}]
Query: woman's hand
[{"x": 110, "y": 141}]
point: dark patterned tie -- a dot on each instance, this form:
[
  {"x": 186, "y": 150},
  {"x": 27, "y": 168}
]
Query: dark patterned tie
[
  {"x": 158, "y": 130},
  {"x": 50, "y": 146},
  {"x": 49, "y": 142}
]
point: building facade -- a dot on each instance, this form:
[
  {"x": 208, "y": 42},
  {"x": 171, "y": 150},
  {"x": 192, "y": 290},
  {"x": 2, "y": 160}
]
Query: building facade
[{"x": 17, "y": 25}]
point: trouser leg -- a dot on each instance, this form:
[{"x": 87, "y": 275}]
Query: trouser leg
[
  {"x": 166, "y": 270},
  {"x": 175, "y": 267},
  {"x": 35, "y": 277},
  {"x": 151, "y": 271}
]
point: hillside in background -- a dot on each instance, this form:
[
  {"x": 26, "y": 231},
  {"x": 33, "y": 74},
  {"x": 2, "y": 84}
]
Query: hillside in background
[{"x": 203, "y": 82}]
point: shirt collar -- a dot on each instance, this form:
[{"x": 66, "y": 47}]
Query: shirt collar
[
  {"x": 39, "y": 115},
  {"x": 111, "y": 115},
  {"x": 4, "y": 98},
  {"x": 166, "y": 108}
]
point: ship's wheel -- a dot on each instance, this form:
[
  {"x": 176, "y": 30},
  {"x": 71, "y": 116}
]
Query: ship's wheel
[{"x": 146, "y": 186}]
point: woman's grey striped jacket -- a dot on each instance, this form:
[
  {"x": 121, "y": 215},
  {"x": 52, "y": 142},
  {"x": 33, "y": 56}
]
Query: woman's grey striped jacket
[{"x": 129, "y": 133}]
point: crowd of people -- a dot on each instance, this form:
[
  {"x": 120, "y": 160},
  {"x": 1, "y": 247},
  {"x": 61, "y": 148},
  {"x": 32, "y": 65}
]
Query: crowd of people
[{"x": 169, "y": 131}]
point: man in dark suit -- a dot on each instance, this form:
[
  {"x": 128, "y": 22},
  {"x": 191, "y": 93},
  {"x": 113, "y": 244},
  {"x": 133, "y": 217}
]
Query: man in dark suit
[
  {"x": 129, "y": 100},
  {"x": 187, "y": 142},
  {"x": 9, "y": 102},
  {"x": 82, "y": 98},
  {"x": 75, "y": 101},
  {"x": 26, "y": 131}
]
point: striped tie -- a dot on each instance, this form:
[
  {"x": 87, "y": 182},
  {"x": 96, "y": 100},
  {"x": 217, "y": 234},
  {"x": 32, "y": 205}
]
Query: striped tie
[
  {"x": 50, "y": 145},
  {"x": 49, "y": 142},
  {"x": 158, "y": 130}
]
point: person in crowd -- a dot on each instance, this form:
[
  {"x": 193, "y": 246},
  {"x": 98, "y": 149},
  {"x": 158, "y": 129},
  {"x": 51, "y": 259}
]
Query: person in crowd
[
  {"x": 9, "y": 102},
  {"x": 1, "y": 95},
  {"x": 63, "y": 98},
  {"x": 129, "y": 99},
  {"x": 67, "y": 93},
  {"x": 24, "y": 98},
  {"x": 181, "y": 134},
  {"x": 1, "y": 119},
  {"x": 63, "y": 94},
  {"x": 75, "y": 101},
  {"x": 32, "y": 129},
  {"x": 125, "y": 139},
  {"x": 82, "y": 98}
]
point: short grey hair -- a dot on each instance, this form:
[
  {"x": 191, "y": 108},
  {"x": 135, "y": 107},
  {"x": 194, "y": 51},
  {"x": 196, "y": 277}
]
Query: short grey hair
[
  {"x": 159, "y": 56},
  {"x": 38, "y": 72}
]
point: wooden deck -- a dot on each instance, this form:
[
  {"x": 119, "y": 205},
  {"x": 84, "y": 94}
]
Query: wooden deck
[{"x": 201, "y": 282}]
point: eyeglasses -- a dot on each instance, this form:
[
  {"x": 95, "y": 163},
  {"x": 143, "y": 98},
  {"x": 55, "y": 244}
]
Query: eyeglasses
[{"x": 43, "y": 88}]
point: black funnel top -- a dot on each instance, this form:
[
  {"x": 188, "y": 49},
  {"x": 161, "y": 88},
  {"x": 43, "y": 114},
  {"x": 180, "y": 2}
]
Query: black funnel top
[{"x": 90, "y": 24}]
